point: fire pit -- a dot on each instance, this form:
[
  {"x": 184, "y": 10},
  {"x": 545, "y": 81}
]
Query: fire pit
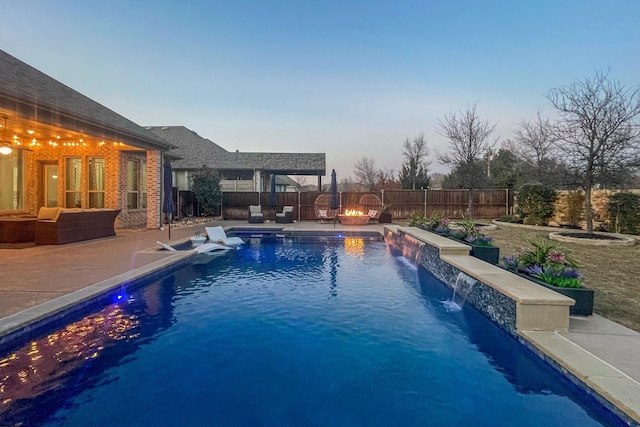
[{"x": 353, "y": 217}]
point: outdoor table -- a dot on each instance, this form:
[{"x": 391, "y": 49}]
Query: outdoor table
[{"x": 17, "y": 229}]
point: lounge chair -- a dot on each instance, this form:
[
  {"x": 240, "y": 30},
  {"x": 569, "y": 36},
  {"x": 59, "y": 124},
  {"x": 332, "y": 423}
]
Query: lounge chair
[
  {"x": 167, "y": 247},
  {"x": 255, "y": 214},
  {"x": 210, "y": 247},
  {"x": 201, "y": 249},
  {"x": 286, "y": 216},
  {"x": 217, "y": 235}
]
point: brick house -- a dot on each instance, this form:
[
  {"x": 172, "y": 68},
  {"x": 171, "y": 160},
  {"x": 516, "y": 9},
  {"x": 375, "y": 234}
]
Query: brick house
[{"x": 60, "y": 148}]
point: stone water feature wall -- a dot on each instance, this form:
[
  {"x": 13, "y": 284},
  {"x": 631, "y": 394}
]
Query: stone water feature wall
[
  {"x": 496, "y": 306},
  {"x": 491, "y": 303}
]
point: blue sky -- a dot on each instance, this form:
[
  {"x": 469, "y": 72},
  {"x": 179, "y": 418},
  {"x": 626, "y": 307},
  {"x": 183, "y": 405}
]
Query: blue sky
[{"x": 348, "y": 78}]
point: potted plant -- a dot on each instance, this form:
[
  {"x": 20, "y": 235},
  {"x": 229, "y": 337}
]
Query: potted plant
[
  {"x": 436, "y": 223},
  {"x": 465, "y": 231},
  {"x": 468, "y": 232},
  {"x": 544, "y": 264},
  {"x": 385, "y": 215}
]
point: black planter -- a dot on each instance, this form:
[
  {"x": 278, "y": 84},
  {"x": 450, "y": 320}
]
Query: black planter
[
  {"x": 490, "y": 254},
  {"x": 582, "y": 296},
  {"x": 385, "y": 218}
]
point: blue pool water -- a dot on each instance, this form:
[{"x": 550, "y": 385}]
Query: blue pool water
[{"x": 331, "y": 333}]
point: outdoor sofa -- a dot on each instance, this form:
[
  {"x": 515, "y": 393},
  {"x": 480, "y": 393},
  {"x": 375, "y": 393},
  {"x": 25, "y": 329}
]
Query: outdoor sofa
[{"x": 56, "y": 226}]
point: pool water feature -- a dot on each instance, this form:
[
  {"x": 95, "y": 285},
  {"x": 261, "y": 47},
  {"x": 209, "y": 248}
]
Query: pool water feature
[
  {"x": 337, "y": 332},
  {"x": 461, "y": 290}
]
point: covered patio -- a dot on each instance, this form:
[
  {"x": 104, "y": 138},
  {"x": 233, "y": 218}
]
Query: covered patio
[{"x": 59, "y": 148}]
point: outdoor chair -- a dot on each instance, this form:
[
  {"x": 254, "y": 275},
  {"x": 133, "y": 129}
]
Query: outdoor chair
[
  {"x": 255, "y": 214},
  {"x": 286, "y": 216},
  {"x": 322, "y": 215},
  {"x": 372, "y": 204},
  {"x": 202, "y": 249},
  {"x": 374, "y": 215},
  {"x": 217, "y": 235}
]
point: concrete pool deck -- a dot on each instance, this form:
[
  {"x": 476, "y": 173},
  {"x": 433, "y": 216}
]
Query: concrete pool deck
[{"x": 601, "y": 353}]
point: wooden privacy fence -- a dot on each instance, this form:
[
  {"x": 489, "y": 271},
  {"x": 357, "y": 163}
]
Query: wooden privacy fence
[{"x": 403, "y": 204}]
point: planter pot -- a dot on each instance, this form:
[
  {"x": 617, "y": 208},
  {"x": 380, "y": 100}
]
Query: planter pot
[
  {"x": 385, "y": 218},
  {"x": 582, "y": 296},
  {"x": 490, "y": 254}
]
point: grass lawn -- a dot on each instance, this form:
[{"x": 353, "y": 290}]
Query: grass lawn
[{"x": 612, "y": 271}]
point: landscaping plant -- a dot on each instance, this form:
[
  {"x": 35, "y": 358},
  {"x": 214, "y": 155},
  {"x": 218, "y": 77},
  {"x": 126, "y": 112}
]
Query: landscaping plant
[
  {"x": 466, "y": 230},
  {"x": 535, "y": 204},
  {"x": 624, "y": 213},
  {"x": 544, "y": 261},
  {"x": 436, "y": 222},
  {"x": 205, "y": 184},
  {"x": 469, "y": 232},
  {"x": 573, "y": 208}
]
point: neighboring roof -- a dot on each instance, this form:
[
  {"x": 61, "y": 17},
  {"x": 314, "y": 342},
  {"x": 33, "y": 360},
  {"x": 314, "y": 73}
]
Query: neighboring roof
[
  {"x": 285, "y": 180},
  {"x": 35, "y": 96},
  {"x": 197, "y": 151},
  {"x": 193, "y": 149}
]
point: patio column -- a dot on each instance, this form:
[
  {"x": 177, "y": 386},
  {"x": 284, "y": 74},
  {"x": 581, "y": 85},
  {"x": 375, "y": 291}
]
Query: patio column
[{"x": 154, "y": 187}]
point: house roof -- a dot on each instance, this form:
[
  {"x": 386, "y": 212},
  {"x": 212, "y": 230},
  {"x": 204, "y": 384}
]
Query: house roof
[
  {"x": 197, "y": 151},
  {"x": 33, "y": 95},
  {"x": 193, "y": 150},
  {"x": 285, "y": 180}
]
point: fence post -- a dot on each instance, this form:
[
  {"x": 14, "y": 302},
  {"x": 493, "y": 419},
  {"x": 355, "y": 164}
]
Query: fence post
[
  {"x": 382, "y": 191},
  {"x": 425, "y": 203},
  {"x": 507, "y": 202},
  {"x": 299, "y": 206},
  {"x": 340, "y": 203}
]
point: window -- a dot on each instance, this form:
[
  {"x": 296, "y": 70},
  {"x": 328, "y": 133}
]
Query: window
[
  {"x": 73, "y": 182},
  {"x": 143, "y": 186},
  {"x": 96, "y": 182},
  {"x": 12, "y": 181},
  {"x": 133, "y": 184}
]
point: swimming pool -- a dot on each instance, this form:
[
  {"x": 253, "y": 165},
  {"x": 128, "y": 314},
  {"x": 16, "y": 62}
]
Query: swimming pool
[{"x": 331, "y": 332}]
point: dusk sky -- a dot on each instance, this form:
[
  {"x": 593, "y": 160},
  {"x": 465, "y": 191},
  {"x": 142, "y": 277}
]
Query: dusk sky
[{"x": 347, "y": 78}]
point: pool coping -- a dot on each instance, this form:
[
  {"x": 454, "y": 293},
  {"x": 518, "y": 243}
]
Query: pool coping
[
  {"x": 32, "y": 319},
  {"x": 612, "y": 387}
]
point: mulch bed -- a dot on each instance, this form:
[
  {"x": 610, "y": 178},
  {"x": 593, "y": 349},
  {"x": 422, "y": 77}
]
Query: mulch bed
[{"x": 589, "y": 236}]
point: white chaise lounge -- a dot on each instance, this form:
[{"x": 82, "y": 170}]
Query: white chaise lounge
[
  {"x": 201, "y": 249},
  {"x": 217, "y": 235}
]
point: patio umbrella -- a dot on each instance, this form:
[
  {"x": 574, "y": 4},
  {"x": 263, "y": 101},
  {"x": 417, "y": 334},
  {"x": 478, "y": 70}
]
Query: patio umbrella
[
  {"x": 333, "y": 202},
  {"x": 167, "y": 204},
  {"x": 273, "y": 202}
]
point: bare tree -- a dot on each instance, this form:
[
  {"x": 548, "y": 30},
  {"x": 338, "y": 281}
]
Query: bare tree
[
  {"x": 414, "y": 173},
  {"x": 598, "y": 130},
  {"x": 386, "y": 178},
  {"x": 301, "y": 180},
  {"x": 365, "y": 172},
  {"x": 535, "y": 140},
  {"x": 347, "y": 184},
  {"x": 468, "y": 137}
]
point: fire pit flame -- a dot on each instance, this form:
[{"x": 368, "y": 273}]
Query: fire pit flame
[{"x": 352, "y": 212}]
